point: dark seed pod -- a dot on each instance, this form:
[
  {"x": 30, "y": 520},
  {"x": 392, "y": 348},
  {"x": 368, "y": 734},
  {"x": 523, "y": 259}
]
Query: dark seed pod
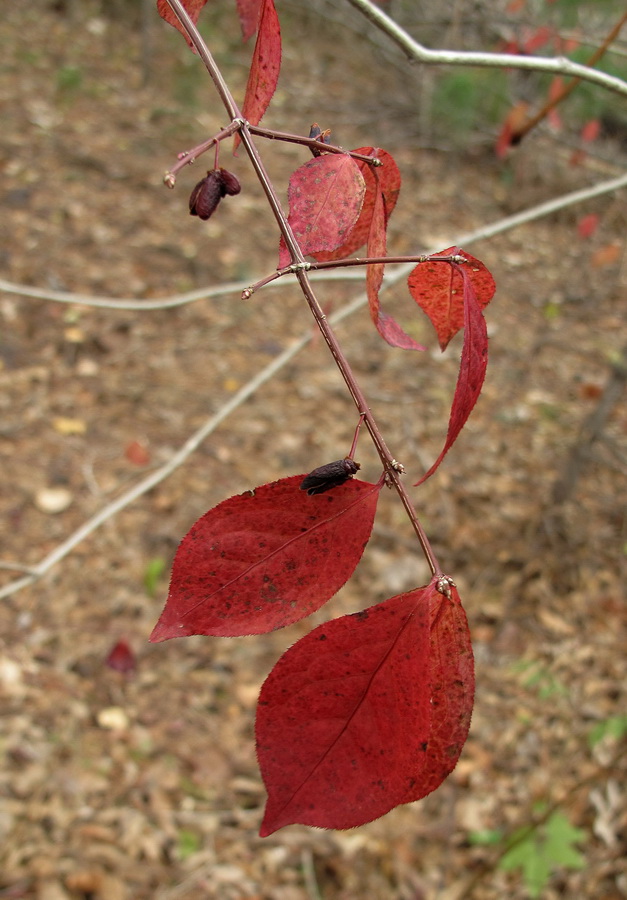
[
  {"x": 230, "y": 183},
  {"x": 205, "y": 197},
  {"x": 329, "y": 476}
]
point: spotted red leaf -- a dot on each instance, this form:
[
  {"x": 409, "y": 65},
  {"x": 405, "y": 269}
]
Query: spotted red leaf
[
  {"x": 266, "y": 558},
  {"x": 264, "y": 71},
  {"x": 474, "y": 358},
  {"x": 438, "y": 288},
  {"x": 366, "y": 712},
  {"x": 193, "y": 9},
  {"x": 325, "y": 196},
  {"x": 382, "y": 181}
]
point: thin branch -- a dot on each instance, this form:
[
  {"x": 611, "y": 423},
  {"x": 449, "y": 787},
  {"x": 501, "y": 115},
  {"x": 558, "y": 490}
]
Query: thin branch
[
  {"x": 194, "y": 441},
  {"x": 24, "y": 290},
  {"x": 414, "y": 50}
]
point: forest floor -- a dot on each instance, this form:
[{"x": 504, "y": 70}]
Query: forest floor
[{"x": 145, "y": 785}]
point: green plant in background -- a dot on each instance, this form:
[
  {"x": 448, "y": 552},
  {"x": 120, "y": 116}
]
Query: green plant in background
[
  {"x": 537, "y": 850},
  {"x": 152, "y": 573},
  {"x": 615, "y": 728},
  {"x": 536, "y": 676}
]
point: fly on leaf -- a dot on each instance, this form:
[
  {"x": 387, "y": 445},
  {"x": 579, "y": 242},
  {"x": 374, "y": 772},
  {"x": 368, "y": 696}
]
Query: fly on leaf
[{"x": 329, "y": 476}]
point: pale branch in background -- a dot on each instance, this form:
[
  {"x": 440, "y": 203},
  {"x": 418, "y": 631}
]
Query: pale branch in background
[{"x": 552, "y": 65}]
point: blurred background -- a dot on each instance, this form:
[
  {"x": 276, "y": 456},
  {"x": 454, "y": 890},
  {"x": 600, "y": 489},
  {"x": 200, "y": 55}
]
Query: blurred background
[{"x": 128, "y": 769}]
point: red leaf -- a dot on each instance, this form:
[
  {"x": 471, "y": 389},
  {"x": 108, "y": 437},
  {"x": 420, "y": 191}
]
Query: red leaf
[
  {"x": 590, "y": 130},
  {"x": 384, "y": 180},
  {"x": 264, "y": 68},
  {"x": 121, "y": 657},
  {"x": 388, "y": 328},
  {"x": 438, "y": 289},
  {"x": 248, "y": 11},
  {"x": 366, "y": 712},
  {"x": 266, "y": 558},
  {"x": 474, "y": 359},
  {"x": 539, "y": 38},
  {"x": 587, "y": 225},
  {"x": 325, "y": 195},
  {"x": 193, "y": 9}
]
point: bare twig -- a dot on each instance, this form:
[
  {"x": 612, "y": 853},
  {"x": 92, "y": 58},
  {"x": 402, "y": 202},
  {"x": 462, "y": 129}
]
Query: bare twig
[
  {"x": 25, "y": 290},
  {"x": 414, "y": 50}
]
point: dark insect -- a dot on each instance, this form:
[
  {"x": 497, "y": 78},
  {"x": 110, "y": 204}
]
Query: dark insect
[
  {"x": 205, "y": 197},
  {"x": 329, "y": 476}
]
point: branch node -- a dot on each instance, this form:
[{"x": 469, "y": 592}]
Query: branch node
[{"x": 444, "y": 585}]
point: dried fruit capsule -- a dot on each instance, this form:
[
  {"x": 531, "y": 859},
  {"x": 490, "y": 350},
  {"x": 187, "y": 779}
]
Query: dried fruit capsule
[
  {"x": 329, "y": 476},
  {"x": 205, "y": 197},
  {"x": 230, "y": 183}
]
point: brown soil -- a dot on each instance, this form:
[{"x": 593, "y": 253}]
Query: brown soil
[{"x": 146, "y": 786}]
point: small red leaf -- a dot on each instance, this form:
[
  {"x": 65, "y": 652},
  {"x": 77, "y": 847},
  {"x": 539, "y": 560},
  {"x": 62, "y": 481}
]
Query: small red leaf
[
  {"x": 325, "y": 196},
  {"x": 137, "y": 453},
  {"x": 590, "y": 130},
  {"x": 474, "y": 360},
  {"x": 438, "y": 289},
  {"x": 248, "y": 12},
  {"x": 587, "y": 225},
  {"x": 366, "y": 712},
  {"x": 264, "y": 68},
  {"x": 193, "y": 9},
  {"x": 383, "y": 180},
  {"x": 266, "y": 558},
  {"x": 121, "y": 658},
  {"x": 514, "y": 122}
]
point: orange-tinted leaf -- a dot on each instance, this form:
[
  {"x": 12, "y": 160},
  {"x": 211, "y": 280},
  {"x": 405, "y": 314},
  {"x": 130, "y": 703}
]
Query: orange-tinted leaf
[
  {"x": 474, "y": 361},
  {"x": 264, "y": 68},
  {"x": 590, "y": 130},
  {"x": 366, "y": 712},
  {"x": 248, "y": 11},
  {"x": 606, "y": 256},
  {"x": 438, "y": 288},
  {"x": 515, "y": 120},
  {"x": 193, "y": 9},
  {"x": 137, "y": 453},
  {"x": 325, "y": 196},
  {"x": 266, "y": 558},
  {"x": 384, "y": 181}
]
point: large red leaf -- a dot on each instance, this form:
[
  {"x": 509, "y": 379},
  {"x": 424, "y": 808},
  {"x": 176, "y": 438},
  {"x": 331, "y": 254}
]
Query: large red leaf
[
  {"x": 366, "y": 712},
  {"x": 193, "y": 9},
  {"x": 438, "y": 288},
  {"x": 266, "y": 558},
  {"x": 473, "y": 366},
  {"x": 264, "y": 68},
  {"x": 383, "y": 181},
  {"x": 325, "y": 196}
]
